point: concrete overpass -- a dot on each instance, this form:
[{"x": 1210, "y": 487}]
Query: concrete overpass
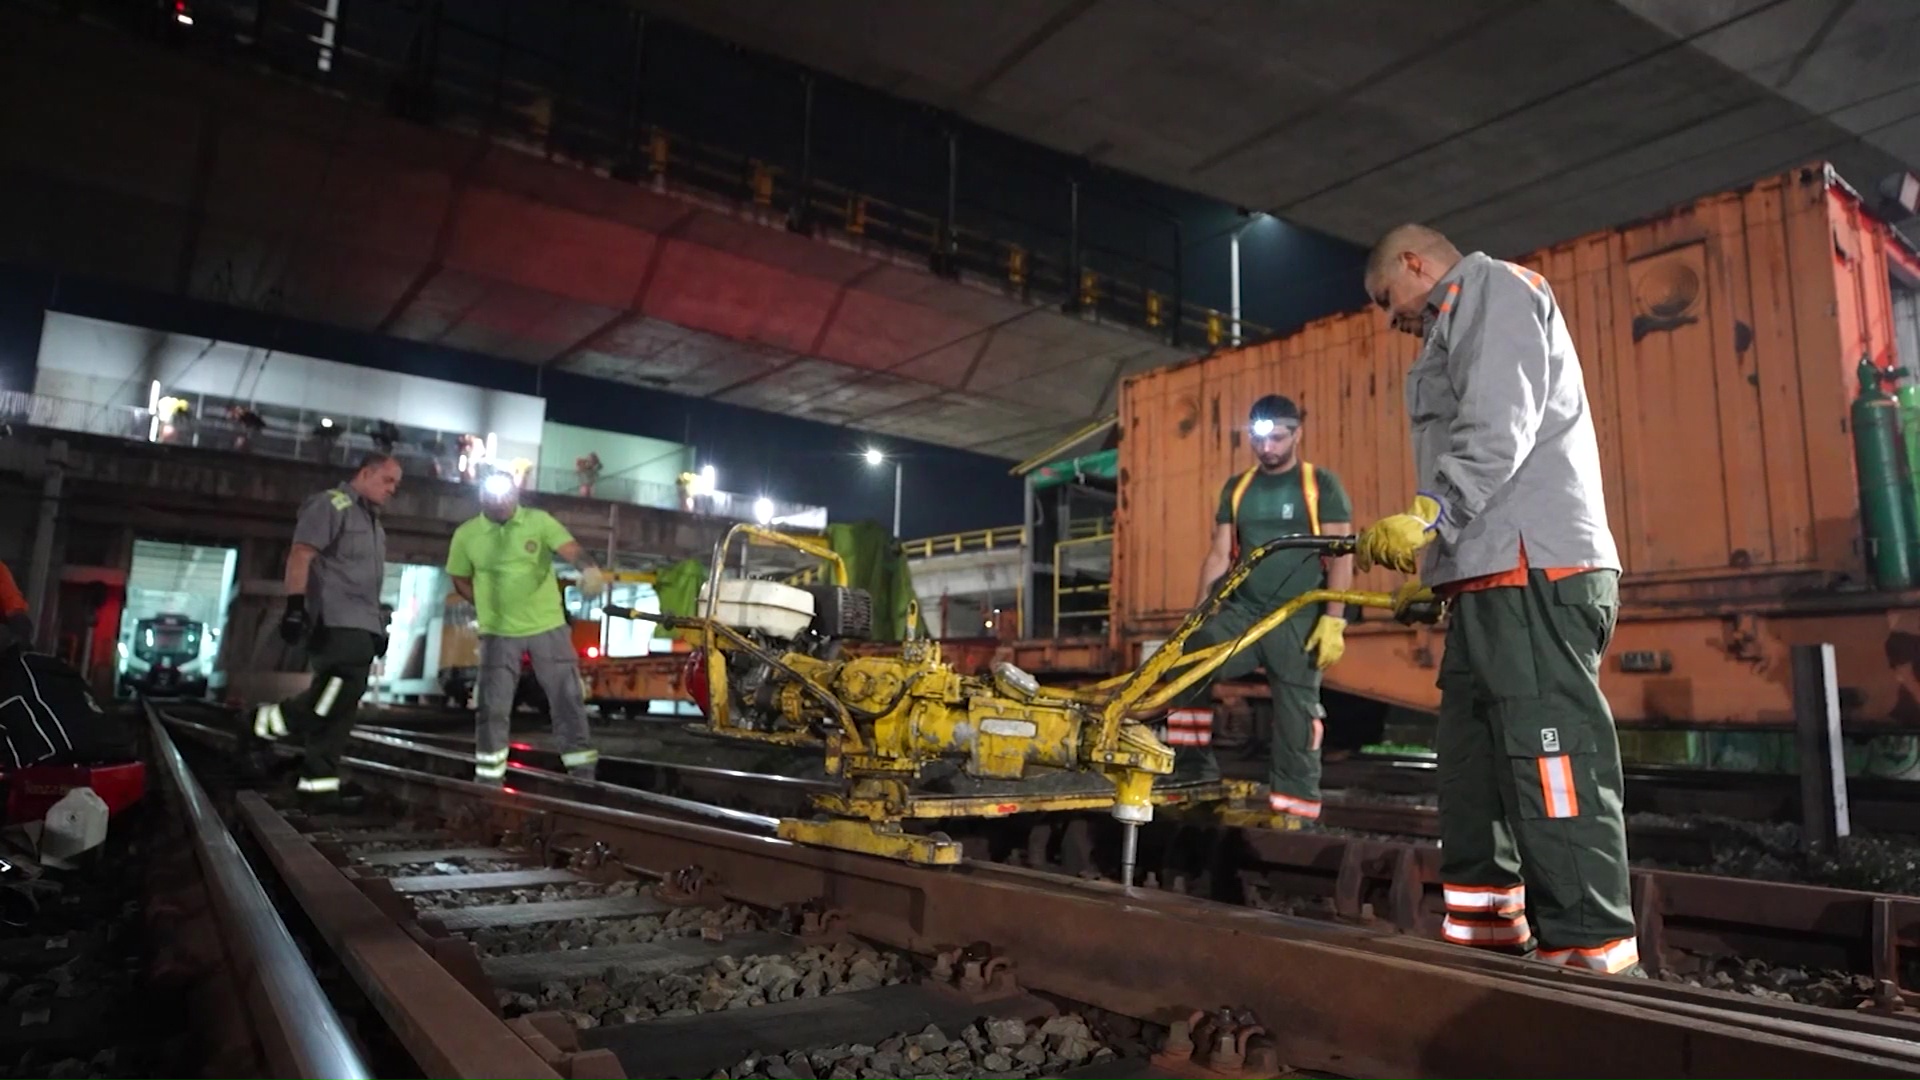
[{"x": 193, "y": 173}]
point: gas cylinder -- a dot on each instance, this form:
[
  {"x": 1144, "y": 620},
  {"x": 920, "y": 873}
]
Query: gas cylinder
[
  {"x": 1884, "y": 493},
  {"x": 1908, "y": 398}
]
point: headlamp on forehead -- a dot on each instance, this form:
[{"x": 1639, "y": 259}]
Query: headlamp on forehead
[
  {"x": 1263, "y": 427},
  {"x": 496, "y": 486}
]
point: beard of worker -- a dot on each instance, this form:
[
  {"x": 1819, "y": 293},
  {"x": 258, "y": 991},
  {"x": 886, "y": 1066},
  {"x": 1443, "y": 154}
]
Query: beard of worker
[{"x": 499, "y": 498}]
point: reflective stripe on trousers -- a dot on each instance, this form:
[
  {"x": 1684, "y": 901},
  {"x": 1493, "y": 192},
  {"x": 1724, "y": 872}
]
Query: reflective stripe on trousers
[
  {"x": 574, "y": 759},
  {"x": 1190, "y": 727},
  {"x": 1492, "y": 916},
  {"x": 269, "y": 722},
  {"x": 491, "y": 765},
  {"x": 1288, "y": 804},
  {"x": 1609, "y": 959}
]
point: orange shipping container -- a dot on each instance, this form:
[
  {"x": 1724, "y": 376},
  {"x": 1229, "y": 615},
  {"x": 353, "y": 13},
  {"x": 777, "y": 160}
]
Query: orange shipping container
[{"x": 1719, "y": 343}]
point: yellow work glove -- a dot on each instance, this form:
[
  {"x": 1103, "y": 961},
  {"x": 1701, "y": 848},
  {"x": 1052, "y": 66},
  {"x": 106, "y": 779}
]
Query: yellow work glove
[
  {"x": 1328, "y": 641},
  {"x": 1409, "y": 593},
  {"x": 593, "y": 582},
  {"x": 1395, "y": 542}
]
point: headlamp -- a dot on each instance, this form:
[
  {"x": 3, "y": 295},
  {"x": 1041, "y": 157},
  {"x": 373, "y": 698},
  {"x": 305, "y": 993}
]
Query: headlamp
[
  {"x": 1263, "y": 427},
  {"x": 496, "y": 486}
]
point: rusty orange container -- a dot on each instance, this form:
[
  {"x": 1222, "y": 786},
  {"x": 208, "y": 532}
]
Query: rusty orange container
[{"x": 1719, "y": 343}]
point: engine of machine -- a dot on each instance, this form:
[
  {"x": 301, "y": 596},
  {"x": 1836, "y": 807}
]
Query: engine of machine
[{"x": 908, "y": 706}]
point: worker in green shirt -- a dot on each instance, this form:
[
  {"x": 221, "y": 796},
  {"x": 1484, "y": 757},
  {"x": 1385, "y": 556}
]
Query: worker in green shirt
[
  {"x": 502, "y": 561},
  {"x": 1280, "y": 495}
]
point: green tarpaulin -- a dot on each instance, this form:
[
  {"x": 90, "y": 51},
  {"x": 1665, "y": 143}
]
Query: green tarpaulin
[
  {"x": 873, "y": 563},
  {"x": 678, "y": 587}
]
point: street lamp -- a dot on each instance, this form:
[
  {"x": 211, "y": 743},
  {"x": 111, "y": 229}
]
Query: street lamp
[
  {"x": 1253, "y": 218},
  {"x": 875, "y": 459}
]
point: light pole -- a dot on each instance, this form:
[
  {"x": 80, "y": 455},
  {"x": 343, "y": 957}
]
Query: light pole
[
  {"x": 1253, "y": 219},
  {"x": 875, "y": 458}
]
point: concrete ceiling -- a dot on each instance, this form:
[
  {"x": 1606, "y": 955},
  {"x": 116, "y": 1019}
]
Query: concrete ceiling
[
  {"x": 1510, "y": 123},
  {"x": 125, "y": 162}
]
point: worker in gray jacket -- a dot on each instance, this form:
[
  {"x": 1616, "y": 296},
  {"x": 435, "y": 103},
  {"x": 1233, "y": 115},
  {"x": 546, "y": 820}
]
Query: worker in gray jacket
[
  {"x": 334, "y": 573},
  {"x": 1513, "y": 524}
]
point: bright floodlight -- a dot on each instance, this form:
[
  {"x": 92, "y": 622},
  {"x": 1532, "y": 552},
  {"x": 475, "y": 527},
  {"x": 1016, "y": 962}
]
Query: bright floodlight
[
  {"x": 763, "y": 510},
  {"x": 874, "y": 456},
  {"x": 326, "y": 421},
  {"x": 497, "y": 485}
]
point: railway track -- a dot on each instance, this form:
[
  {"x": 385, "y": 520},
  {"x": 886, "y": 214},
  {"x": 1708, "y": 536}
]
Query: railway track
[
  {"x": 1369, "y": 888},
  {"x": 540, "y": 902},
  {"x": 1365, "y": 872}
]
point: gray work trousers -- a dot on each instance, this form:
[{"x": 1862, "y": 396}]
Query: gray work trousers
[{"x": 557, "y": 671}]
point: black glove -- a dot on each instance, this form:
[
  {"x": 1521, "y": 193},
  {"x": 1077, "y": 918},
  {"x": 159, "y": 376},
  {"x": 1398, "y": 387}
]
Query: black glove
[
  {"x": 380, "y": 643},
  {"x": 294, "y": 623}
]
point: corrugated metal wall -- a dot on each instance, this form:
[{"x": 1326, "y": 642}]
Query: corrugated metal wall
[{"x": 1718, "y": 342}]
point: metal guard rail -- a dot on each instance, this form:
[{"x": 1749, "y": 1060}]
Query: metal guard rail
[
  {"x": 1002, "y": 537},
  {"x": 281, "y": 989}
]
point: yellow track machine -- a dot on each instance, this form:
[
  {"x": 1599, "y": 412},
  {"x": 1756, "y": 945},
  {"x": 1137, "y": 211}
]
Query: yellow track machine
[{"x": 907, "y": 737}]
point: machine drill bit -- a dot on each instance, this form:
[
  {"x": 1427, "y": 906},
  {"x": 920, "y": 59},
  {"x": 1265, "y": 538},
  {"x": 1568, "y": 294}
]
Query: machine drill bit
[{"x": 1129, "y": 849}]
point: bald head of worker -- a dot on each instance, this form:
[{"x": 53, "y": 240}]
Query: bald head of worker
[
  {"x": 1405, "y": 266},
  {"x": 377, "y": 478}
]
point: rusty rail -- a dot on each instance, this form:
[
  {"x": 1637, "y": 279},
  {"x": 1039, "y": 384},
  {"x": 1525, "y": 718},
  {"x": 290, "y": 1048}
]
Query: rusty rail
[
  {"x": 298, "y": 1029},
  {"x": 447, "y": 1030},
  {"x": 1144, "y": 954}
]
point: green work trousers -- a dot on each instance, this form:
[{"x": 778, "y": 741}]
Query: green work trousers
[
  {"x": 1529, "y": 769},
  {"x": 1293, "y": 773}
]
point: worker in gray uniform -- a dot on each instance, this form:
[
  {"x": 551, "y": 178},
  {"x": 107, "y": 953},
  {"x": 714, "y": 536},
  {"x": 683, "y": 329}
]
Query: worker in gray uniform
[
  {"x": 502, "y": 561},
  {"x": 334, "y": 572},
  {"x": 1513, "y": 524}
]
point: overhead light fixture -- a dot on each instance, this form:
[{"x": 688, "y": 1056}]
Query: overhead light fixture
[
  {"x": 874, "y": 456},
  {"x": 326, "y": 421},
  {"x": 763, "y": 510}
]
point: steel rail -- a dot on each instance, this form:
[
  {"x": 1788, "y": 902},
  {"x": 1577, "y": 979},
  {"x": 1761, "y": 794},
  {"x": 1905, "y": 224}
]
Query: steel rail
[
  {"x": 1141, "y": 953},
  {"x": 299, "y": 1030}
]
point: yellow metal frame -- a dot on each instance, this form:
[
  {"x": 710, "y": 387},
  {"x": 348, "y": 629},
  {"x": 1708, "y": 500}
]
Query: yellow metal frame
[
  {"x": 1101, "y": 533},
  {"x": 865, "y": 815}
]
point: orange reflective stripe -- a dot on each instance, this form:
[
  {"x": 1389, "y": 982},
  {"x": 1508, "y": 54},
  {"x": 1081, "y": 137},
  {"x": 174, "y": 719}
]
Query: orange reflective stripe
[
  {"x": 1288, "y": 804},
  {"x": 1461, "y": 932},
  {"x": 1453, "y": 293},
  {"x": 1310, "y": 487},
  {"x": 1479, "y": 899},
  {"x": 1556, "y": 786},
  {"x": 1240, "y": 492},
  {"x": 1612, "y": 958}
]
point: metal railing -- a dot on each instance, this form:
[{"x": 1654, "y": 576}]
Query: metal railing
[
  {"x": 217, "y": 432},
  {"x": 580, "y": 84},
  {"x": 1093, "y": 531},
  {"x": 302, "y": 1034},
  {"x": 999, "y": 538}
]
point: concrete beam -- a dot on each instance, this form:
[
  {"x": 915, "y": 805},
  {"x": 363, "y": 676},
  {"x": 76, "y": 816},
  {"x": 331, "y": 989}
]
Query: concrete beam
[{"x": 135, "y": 164}]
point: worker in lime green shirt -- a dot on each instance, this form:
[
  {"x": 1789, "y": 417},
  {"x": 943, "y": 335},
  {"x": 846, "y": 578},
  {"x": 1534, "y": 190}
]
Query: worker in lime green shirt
[{"x": 502, "y": 561}]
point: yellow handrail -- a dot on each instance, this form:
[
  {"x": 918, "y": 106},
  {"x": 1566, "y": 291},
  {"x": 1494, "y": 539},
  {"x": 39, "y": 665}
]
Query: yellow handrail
[{"x": 998, "y": 538}]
